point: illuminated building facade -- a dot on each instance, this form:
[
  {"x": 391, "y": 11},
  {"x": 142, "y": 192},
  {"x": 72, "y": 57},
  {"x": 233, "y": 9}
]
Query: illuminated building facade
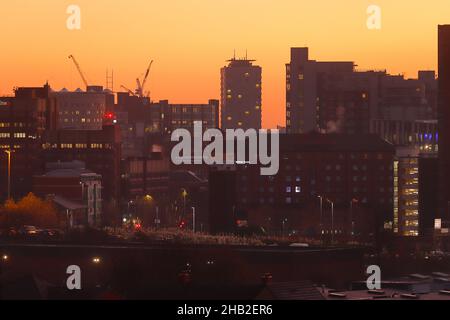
[
  {"x": 406, "y": 222},
  {"x": 241, "y": 95},
  {"x": 80, "y": 110}
]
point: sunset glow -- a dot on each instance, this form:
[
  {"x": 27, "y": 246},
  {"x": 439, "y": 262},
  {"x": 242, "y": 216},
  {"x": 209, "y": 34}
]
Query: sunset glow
[{"x": 191, "y": 39}]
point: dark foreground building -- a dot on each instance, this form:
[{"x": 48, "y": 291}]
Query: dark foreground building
[
  {"x": 355, "y": 173},
  {"x": 444, "y": 119},
  {"x": 23, "y": 121},
  {"x": 428, "y": 194},
  {"x": 100, "y": 150}
]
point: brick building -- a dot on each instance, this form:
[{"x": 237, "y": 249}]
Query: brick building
[{"x": 354, "y": 172}]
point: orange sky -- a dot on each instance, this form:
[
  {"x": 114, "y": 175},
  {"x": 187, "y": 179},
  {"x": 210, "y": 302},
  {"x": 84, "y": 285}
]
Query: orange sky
[{"x": 191, "y": 39}]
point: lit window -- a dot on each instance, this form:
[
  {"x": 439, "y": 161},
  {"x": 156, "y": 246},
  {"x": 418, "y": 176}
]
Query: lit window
[{"x": 298, "y": 189}]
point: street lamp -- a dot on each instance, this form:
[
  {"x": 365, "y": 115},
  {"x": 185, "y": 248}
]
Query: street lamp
[
  {"x": 354, "y": 201},
  {"x": 184, "y": 194},
  {"x": 283, "y": 226},
  {"x": 9, "y": 152},
  {"x": 321, "y": 216},
  {"x": 193, "y": 219},
  {"x": 332, "y": 220}
]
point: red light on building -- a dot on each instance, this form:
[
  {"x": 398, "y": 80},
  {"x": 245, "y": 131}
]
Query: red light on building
[
  {"x": 110, "y": 118},
  {"x": 109, "y": 115}
]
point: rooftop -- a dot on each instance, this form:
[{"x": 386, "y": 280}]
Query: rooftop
[{"x": 334, "y": 142}]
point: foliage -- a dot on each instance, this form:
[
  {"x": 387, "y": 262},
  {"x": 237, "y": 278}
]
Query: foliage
[{"x": 30, "y": 210}]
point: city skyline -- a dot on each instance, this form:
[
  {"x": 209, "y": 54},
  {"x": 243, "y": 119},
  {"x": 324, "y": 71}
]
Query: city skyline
[
  {"x": 202, "y": 41},
  {"x": 225, "y": 151}
]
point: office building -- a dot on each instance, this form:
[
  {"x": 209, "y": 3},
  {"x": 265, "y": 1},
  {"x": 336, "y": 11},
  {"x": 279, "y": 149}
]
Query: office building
[
  {"x": 80, "y": 110},
  {"x": 354, "y": 172},
  {"x": 166, "y": 117},
  {"x": 23, "y": 121},
  {"x": 420, "y": 133}
]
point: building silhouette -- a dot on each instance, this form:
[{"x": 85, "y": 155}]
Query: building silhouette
[
  {"x": 444, "y": 118},
  {"x": 241, "y": 95},
  {"x": 335, "y": 97},
  {"x": 23, "y": 121}
]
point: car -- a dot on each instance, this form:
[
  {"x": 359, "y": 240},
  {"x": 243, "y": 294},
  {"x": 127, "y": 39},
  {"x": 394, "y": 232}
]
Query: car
[
  {"x": 50, "y": 233},
  {"x": 29, "y": 231}
]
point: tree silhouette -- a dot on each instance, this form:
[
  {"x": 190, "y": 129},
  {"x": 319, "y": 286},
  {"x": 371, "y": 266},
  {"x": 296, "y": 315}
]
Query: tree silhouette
[{"x": 30, "y": 210}]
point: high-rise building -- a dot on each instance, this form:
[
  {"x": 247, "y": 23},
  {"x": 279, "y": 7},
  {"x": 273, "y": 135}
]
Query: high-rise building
[
  {"x": 444, "y": 118},
  {"x": 335, "y": 97},
  {"x": 317, "y": 98},
  {"x": 241, "y": 95}
]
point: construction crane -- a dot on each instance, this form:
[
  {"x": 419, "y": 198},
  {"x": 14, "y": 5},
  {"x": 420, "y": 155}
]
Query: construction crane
[
  {"x": 128, "y": 90},
  {"x": 79, "y": 70},
  {"x": 141, "y": 85}
]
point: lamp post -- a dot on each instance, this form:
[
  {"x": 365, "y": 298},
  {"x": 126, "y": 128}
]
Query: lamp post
[
  {"x": 321, "y": 217},
  {"x": 158, "y": 221},
  {"x": 332, "y": 220},
  {"x": 8, "y": 152},
  {"x": 352, "y": 221},
  {"x": 184, "y": 194},
  {"x": 283, "y": 227},
  {"x": 193, "y": 219},
  {"x": 149, "y": 200}
]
